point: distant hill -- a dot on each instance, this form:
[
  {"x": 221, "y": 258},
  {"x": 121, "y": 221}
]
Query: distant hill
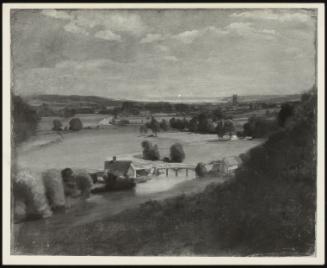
[
  {"x": 63, "y": 100},
  {"x": 266, "y": 98}
]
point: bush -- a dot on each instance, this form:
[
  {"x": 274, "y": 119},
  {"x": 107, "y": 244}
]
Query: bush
[
  {"x": 177, "y": 154},
  {"x": 57, "y": 125},
  {"x": 75, "y": 124},
  {"x": 150, "y": 152},
  {"x": 29, "y": 196},
  {"x": 54, "y": 189},
  {"x": 164, "y": 125},
  {"x": 201, "y": 170}
]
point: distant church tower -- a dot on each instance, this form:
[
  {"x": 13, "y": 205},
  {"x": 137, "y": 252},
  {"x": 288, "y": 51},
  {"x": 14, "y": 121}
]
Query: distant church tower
[{"x": 234, "y": 99}]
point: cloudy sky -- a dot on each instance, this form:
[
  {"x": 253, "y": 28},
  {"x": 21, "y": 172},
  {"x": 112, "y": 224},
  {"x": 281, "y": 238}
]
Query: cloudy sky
[{"x": 165, "y": 54}]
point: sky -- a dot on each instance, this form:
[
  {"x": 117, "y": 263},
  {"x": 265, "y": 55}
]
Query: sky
[{"x": 162, "y": 54}]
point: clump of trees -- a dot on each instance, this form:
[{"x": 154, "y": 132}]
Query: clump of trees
[
  {"x": 259, "y": 127},
  {"x": 225, "y": 127},
  {"x": 154, "y": 125},
  {"x": 177, "y": 153},
  {"x": 75, "y": 124},
  {"x": 24, "y": 119},
  {"x": 179, "y": 124},
  {"x": 201, "y": 170},
  {"x": 150, "y": 151},
  {"x": 164, "y": 125},
  {"x": 286, "y": 111},
  {"x": 57, "y": 125}
]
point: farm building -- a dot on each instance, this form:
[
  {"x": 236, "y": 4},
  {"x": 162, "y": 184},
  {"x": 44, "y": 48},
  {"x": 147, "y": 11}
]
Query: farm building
[
  {"x": 120, "y": 168},
  {"x": 230, "y": 164}
]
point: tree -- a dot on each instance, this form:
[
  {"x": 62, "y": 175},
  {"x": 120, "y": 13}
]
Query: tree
[
  {"x": 229, "y": 127},
  {"x": 25, "y": 119},
  {"x": 172, "y": 122},
  {"x": 68, "y": 112},
  {"x": 203, "y": 123},
  {"x": 220, "y": 130},
  {"x": 193, "y": 125},
  {"x": 154, "y": 126},
  {"x": 57, "y": 125},
  {"x": 75, "y": 124},
  {"x": 164, "y": 125},
  {"x": 286, "y": 111},
  {"x": 177, "y": 153},
  {"x": 201, "y": 170},
  {"x": 150, "y": 152},
  {"x": 218, "y": 114}
]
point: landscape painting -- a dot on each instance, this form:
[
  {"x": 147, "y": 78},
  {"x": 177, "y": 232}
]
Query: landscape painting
[{"x": 163, "y": 132}]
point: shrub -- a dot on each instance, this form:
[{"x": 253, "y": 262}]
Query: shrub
[
  {"x": 54, "y": 188},
  {"x": 57, "y": 125},
  {"x": 29, "y": 195},
  {"x": 201, "y": 170},
  {"x": 150, "y": 152},
  {"x": 177, "y": 153},
  {"x": 75, "y": 124},
  {"x": 164, "y": 125}
]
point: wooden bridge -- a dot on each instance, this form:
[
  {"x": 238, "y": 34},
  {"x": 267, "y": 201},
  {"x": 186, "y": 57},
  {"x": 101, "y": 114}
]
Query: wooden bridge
[
  {"x": 176, "y": 167},
  {"x": 173, "y": 166}
]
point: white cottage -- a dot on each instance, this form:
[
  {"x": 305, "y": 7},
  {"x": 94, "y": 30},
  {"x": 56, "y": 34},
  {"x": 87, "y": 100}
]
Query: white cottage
[{"x": 230, "y": 164}]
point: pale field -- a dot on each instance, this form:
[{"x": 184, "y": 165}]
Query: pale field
[{"x": 89, "y": 148}]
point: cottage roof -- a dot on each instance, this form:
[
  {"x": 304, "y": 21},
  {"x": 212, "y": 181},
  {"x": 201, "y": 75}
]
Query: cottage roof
[{"x": 118, "y": 167}]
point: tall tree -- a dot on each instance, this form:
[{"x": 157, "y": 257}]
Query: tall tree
[{"x": 24, "y": 119}]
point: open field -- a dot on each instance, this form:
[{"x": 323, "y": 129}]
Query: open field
[{"x": 90, "y": 147}]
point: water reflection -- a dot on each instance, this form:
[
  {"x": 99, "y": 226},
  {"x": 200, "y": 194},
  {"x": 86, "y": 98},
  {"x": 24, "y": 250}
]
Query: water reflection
[{"x": 163, "y": 183}]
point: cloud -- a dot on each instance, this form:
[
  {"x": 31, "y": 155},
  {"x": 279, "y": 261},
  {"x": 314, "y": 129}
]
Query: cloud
[
  {"x": 73, "y": 28},
  {"x": 149, "y": 38},
  {"x": 187, "y": 37},
  {"x": 110, "y": 23},
  {"x": 57, "y": 14},
  {"x": 163, "y": 48},
  {"x": 108, "y": 35},
  {"x": 273, "y": 16},
  {"x": 246, "y": 29},
  {"x": 171, "y": 58}
]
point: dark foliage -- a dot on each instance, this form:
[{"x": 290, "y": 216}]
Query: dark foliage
[
  {"x": 24, "y": 119},
  {"x": 201, "y": 170},
  {"x": 57, "y": 125},
  {"x": 258, "y": 127},
  {"x": 177, "y": 153},
  {"x": 75, "y": 124},
  {"x": 150, "y": 151},
  {"x": 286, "y": 111},
  {"x": 164, "y": 125}
]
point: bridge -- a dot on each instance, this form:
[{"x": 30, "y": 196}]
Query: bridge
[{"x": 173, "y": 166}]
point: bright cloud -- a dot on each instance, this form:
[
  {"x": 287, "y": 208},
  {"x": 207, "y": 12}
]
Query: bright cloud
[
  {"x": 108, "y": 35},
  {"x": 187, "y": 37},
  {"x": 73, "y": 28},
  {"x": 273, "y": 16},
  {"x": 149, "y": 38},
  {"x": 57, "y": 14}
]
